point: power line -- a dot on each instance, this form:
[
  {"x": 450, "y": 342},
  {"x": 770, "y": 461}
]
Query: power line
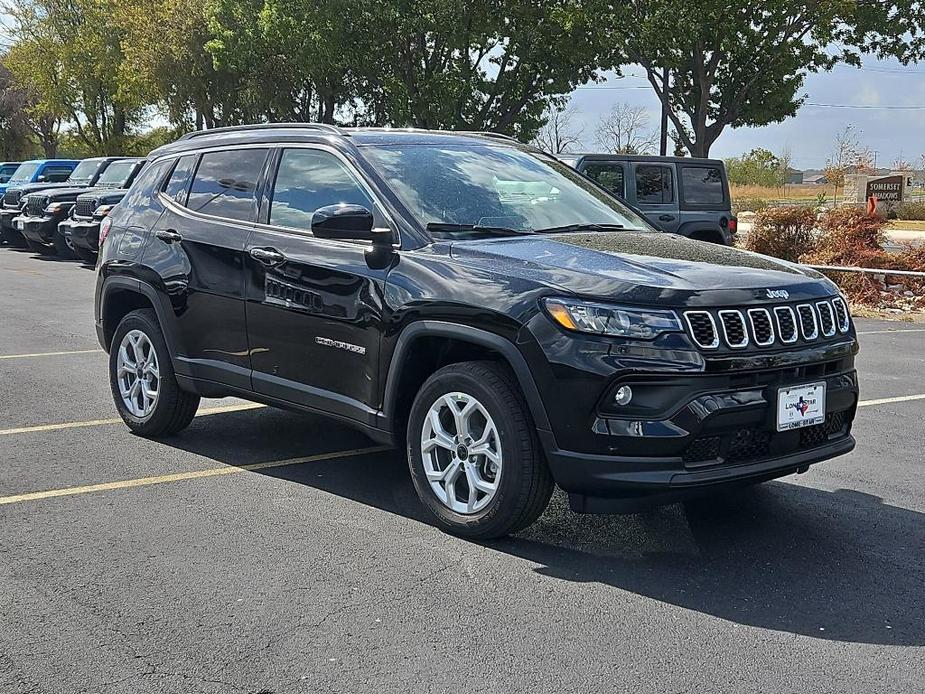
[{"x": 891, "y": 107}]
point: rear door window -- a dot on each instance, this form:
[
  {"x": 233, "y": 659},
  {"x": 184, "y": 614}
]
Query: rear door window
[
  {"x": 608, "y": 175},
  {"x": 654, "y": 184},
  {"x": 308, "y": 179},
  {"x": 178, "y": 184},
  {"x": 702, "y": 185},
  {"x": 56, "y": 174},
  {"x": 225, "y": 184}
]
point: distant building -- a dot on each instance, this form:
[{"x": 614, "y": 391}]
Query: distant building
[
  {"x": 793, "y": 175},
  {"x": 816, "y": 180}
]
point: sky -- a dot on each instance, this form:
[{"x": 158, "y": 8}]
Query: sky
[
  {"x": 865, "y": 98},
  {"x": 872, "y": 93}
]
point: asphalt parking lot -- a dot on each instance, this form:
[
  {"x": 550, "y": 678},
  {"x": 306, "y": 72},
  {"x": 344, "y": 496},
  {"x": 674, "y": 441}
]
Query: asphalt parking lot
[{"x": 262, "y": 551}]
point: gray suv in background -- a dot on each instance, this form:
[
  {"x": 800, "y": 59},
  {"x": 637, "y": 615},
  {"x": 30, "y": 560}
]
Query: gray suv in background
[{"x": 676, "y": 194}]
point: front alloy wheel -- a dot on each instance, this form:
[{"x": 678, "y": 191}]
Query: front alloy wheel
[
  {"x": 138, "y": 374},
  {"x": 462, "y": 455}
]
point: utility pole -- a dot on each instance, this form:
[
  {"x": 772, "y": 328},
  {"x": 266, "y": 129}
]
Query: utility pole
[{"x": 663, "y": 136}]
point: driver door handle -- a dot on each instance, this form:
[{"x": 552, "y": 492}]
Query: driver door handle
[
  {"x": 267, "y": 256},
  {"x": 168, "y": 235},
  {"x": 666, "y": 217}
]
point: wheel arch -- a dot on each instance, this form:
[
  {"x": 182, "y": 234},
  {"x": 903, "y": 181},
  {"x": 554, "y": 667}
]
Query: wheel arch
[
  {"x": 122, "y": 295},
  {"x": 464, "y": 343}
]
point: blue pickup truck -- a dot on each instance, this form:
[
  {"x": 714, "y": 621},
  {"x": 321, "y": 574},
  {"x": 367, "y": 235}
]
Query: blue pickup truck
[{"x": 7, "y": 169}]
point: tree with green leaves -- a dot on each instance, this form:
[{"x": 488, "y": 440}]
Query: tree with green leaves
[
  {"x": 760, "y": 167},
  {"x": 736, "y": 63}
]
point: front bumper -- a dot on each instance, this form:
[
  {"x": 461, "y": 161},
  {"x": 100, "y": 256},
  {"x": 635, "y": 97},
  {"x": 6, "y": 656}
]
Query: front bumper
[
  {"x": 37, "y": 229},
  {"x": 82, "y": 233},
  {"x": 6, "y": 218},
  {"x": 719, "y": 430}
]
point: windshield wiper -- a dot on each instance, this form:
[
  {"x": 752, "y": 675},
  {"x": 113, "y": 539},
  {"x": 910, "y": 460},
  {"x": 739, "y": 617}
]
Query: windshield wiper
[
  {"x": 581, "y": 227},
  {"x": 478, "y": 228}
]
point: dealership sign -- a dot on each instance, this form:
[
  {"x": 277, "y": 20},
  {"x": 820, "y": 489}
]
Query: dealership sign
[{"x": 889, "y": 189}]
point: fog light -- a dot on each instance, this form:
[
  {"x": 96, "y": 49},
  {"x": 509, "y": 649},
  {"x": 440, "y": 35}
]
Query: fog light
[{"x": 623, "y": 395}]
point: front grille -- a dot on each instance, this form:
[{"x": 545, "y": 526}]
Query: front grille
[
  {"x": 12, "y": 198},
  {"x": 702, "y": 449},
  {"x": 36, "y": 204},
  {"x": 747, "y": 444},
  {"x": 786, "y": 324},
  {"x": 703, "y": 328},
  {"x": 833, "y": 426},
  {"x": 808, "y": 325},
  {"x": 84, "y": 208},
  {"x": 734, "y": 329},
  {"x": 768, "y": 326},
  {"x": 762, "y": 328}
]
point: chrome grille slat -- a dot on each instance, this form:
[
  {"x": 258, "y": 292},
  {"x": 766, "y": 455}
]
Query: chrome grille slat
[
  {"x": 826, "y": 318},
  {"x": 762, "y": 326},
  {"x": 841, "y": 314},
  {"x": 786, "y": 324},
  {"x": 809, "y": 325},
  {"x": 703, "y": 328},
  {"x": 733, "y": 326},
  {"x": 36, "y": 204},
  {"x": 84, "y": 208}
]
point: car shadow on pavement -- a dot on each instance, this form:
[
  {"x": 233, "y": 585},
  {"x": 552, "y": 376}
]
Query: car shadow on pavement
[{"x": 838, "y": 565}]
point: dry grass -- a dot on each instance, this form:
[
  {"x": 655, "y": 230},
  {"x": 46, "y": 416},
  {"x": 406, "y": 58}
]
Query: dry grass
[
  {"x": 906, "y": 224},
  {"x": 803, "y": 192}
]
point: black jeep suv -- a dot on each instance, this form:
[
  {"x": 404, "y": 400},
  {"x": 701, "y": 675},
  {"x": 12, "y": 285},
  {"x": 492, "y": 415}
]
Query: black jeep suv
[
  {"x": 81, "y": 230},
  {"x": 41, "y": 206},
  {"x": 507, "y": 319}
]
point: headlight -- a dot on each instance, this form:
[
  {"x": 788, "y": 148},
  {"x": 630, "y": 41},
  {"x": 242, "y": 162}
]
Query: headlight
[
  {"x": 55, "y": 208},
  {"x": 606, "y": 319},
  {"x": 102, "y": 210}
]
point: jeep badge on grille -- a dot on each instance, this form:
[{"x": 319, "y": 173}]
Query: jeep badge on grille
[{"x": 777, "y": 293}]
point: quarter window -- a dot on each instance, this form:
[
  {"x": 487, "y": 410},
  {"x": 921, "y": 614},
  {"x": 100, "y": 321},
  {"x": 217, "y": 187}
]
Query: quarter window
[
  {"x": 225, "y": 184},
  {"x": 702, "y": 185},
  {"x": 307, "y": 180},
  {"x": 178, "y": 183},
  {"x": 608, "y": 175},
  {"x": 654, "y": 184}
]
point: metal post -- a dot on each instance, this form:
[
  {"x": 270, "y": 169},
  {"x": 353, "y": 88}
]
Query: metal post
[{"x": 663, "y": 141}]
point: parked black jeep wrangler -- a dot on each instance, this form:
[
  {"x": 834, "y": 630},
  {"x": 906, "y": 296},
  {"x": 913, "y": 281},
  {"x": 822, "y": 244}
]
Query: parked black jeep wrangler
[
  {"x": 80, "y": 232},
  {"x": 34, "y": 210},
  {"x": 506, "y": 319}
]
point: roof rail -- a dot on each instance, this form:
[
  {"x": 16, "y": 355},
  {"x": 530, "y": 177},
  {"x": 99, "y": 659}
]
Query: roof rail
[
  {"x": 322, "y": 127},
  {"x": 489, "y": 133}
]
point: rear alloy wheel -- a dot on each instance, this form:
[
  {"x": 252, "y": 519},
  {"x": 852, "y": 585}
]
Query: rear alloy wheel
[
  {"x": 475, "y": 460},
  {"x": 142, "y": 379}
]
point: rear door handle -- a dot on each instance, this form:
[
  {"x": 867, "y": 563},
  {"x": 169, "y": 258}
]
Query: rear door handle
[
  {"x": 267, "y": 256},
  {"x": 666, "y": 218},
  {"x": 168, "y": 235}
]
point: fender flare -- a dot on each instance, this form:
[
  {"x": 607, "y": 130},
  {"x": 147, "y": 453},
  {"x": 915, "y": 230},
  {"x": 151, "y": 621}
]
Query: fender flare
[
  {"x": 464, "y": 333},
  {"x": 131, "y": 284}
]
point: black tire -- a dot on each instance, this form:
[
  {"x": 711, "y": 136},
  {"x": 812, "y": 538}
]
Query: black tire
[
  {"x": 85, "y": 255},
  {"x": 39, "y": 248},
  {"x": 175, "y": 408},
  {"x": 525, "y": 484},
  {"x": 62, "y": 247},
  {"x": 12, "y": 238}
]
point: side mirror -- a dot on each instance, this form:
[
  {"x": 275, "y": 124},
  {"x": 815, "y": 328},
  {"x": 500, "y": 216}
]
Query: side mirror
[{"x": 351, "y": 222}]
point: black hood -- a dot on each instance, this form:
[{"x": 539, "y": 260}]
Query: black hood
[
  {"x": 646, "y": 268},
  {"x": 105, "y": 195},
  {"x": 66, "y": 194},
  {"x": 38, "y": 187}
]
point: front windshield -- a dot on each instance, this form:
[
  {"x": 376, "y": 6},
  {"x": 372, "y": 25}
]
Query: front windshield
[
  {"x": 84, "y": 172},
  {"x": 116, "y": 173},
  {"x": 25, "y": 171},
  {"x": 449, "y": 186}
]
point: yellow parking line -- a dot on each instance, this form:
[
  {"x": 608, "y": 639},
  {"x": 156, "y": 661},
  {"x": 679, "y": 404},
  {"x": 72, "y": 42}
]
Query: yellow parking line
[
  {"x": 48, "y": 354},
  {"x": 100, "y": 422},
  {"x": 182, "y": 476},
  {"x": 885, "y": 401}
]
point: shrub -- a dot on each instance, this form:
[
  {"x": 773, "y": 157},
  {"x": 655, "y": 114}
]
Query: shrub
[
  {"x": 749, "y": 203},
  {"x": 849, "y": 237},
  {"x": 783, "y": 232},
  {"x": 911, "y": 210}
]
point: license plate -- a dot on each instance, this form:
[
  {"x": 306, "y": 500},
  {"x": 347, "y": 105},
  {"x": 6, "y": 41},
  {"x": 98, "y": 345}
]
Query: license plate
[{"x": 800, "y": 406}]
